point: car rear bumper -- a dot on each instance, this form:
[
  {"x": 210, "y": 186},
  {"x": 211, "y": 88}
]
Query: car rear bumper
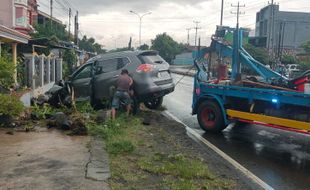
[{"x": 155, "y": 91}]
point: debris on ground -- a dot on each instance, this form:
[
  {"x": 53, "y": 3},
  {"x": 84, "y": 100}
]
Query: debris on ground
[
  {"x": 78, "y": 125},
  {"x": 58, "y": 95}
]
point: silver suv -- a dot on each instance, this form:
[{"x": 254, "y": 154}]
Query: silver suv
[{"x": 96, "y": 79}]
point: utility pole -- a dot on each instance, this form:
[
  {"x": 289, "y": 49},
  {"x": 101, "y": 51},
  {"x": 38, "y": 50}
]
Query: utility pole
[
  {"x": 236, "y": 60},
  {"x": 238, "y": 13},
  {"x": 140, "y": 23},
  {"x": 196, "y": 28},
  {"x": 222, "y": 13},
  {"x": 188, "y": 30},
  {"x": 76, "y": 28},
  {"x": 51, "y": 14},
  {"x": 69, "y": 29}
]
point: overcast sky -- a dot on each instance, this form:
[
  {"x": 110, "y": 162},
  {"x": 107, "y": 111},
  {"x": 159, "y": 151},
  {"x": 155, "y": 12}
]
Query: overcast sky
[{"x": 111, "y": 23}]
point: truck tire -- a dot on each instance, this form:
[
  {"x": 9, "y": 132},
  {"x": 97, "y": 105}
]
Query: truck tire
[
  {"x": 210, "y": 117},
  {"x": 154, "y": 104}
]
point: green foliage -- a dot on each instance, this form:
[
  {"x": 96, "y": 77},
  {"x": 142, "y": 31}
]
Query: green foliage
[
  {"x": 10, "y": 105},
  {"x": 70, "y": 60},
  {"x": 120, "y": 147},
  {"x": 166, "y": 46},
  {"x": 84, "y": 107},
  {"x": 260, "y": 54},
  {"x": 7, "y": 70},
  {"x": 144, "y": 47},
  {"x": 90, "y": 45},
  {"x": 304, "y": 66},
  {"x": 121, "y": 49},
  {"x": 54, "y": 33},
  {"x": 176, "y": 165},
  {"x": 306, "y": 46},
  {"x": 289, "y": 59}
]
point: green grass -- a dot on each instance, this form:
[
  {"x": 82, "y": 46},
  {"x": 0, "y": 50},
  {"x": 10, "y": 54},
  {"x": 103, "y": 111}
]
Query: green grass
[
  {"x": 138, "y": 161},
  {"x": 175, "y": 165},
  {"x": 115, "y": 134},
  {"x": 120, "y": 147}
]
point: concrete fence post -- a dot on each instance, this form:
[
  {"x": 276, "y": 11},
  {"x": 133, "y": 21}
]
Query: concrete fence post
[
  {"x": 41, "y": 69},
  {"x": 53, "y": 69},
  {"x": 59, "y": 69},
  {"x": 31, "y": 73},
  {"x": 48, "y": 70}
]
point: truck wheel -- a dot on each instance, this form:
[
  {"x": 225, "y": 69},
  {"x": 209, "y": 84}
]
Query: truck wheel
[
  {"x": 154, "y": 104},
  {"x": 210, "y": 117}
]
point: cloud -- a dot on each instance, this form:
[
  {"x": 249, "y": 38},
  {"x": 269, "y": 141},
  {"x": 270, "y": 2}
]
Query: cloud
[
  {"x": 96, "y": 6},
  {"x": 110, "y": 22}
]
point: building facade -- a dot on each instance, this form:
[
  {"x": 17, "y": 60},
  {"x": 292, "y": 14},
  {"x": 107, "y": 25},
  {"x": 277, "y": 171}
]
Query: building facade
[
  {"x": 281, "y": 29},
  {"x": 20, "y": 15}
]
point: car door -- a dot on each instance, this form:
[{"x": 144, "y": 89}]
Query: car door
[
  {"x": 107, "y": 72},
  {"x": 82, "y": 83}
]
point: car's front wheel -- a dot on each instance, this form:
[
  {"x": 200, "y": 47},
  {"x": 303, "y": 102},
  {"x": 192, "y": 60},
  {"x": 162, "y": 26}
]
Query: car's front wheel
[{"x": 154, "y": 103}]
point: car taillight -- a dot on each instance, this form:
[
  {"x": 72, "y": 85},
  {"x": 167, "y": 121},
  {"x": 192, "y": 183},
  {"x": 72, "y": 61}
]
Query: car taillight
[{"x": 145, "y": 68}]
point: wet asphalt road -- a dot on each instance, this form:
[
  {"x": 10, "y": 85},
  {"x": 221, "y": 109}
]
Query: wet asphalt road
[{"x": 280, "y": 158}]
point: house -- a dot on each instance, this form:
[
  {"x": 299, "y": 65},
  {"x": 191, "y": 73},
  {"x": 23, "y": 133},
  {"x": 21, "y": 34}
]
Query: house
[{"x": 14, "y": 26}]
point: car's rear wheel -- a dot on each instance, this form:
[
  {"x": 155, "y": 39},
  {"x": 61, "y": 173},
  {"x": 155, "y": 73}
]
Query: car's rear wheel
[
  {"x": 154, "y": 103},
  {"x": 210, "y": 117}
]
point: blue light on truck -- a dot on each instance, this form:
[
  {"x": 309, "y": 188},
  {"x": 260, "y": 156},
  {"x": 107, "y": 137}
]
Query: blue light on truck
[{"x": 274, "y": 100}]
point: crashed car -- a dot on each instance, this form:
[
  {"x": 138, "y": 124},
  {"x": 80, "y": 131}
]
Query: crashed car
[{"x": 96, "y": 79}]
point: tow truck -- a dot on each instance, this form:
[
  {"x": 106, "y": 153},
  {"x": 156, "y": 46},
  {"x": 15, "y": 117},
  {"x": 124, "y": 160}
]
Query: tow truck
[{"x": 252, "y": 93}]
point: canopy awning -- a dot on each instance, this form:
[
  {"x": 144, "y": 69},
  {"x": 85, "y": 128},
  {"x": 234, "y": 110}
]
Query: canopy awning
[{"x": 9, "y": 35}]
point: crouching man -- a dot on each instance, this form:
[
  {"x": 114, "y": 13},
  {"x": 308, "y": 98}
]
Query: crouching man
[{"x": 124, "y": 83}]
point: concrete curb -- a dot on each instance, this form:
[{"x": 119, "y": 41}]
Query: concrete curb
[
  {"x": 257, "y": 182},
  {"x": 97, "y": 167}
]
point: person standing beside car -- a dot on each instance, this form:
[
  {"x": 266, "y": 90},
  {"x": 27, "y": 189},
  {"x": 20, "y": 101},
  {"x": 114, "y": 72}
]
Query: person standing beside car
[{"x": 124, "y": 83}]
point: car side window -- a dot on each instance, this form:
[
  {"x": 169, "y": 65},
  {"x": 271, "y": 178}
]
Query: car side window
[
  {"x": 84, "y": 73},
  {"x": 106, "y": 66},
  {"x": 110, "y": 65},
  {"x": 122, "y": 62}
]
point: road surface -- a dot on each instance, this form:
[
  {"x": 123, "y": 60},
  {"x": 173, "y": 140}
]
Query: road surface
[{"x": 280, "y": 158}]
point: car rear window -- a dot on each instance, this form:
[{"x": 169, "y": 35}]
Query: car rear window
[{"x": 152, "y": 59}]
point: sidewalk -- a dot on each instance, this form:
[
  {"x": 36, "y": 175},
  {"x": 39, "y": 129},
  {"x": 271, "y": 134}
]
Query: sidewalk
[
  {"x": 51, "y": 160},
  {"x": 188, "y": 70}
]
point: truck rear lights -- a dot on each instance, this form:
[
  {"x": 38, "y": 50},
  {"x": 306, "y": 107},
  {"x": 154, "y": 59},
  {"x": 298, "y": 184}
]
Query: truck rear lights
[{"x": 145, "y": 68}]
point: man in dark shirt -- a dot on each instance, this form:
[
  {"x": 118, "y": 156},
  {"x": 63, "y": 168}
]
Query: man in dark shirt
[{"x": 124, "y": 82}]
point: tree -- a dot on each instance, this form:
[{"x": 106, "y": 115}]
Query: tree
[
  {"x": 260, "y": 54},
  {"x": 289, "y": 59},
  {"x": 306, "y": 46},
  {"x": 7, "y": 70},
  {"x": 121, "y": 49},
  {"x": 144, "y": 47},
  {"x": 166, "y": 46},
  {"x": 90, "y": 45},
  {"x": 70, "y": 60},
  {"x": 45, "y": 31}
]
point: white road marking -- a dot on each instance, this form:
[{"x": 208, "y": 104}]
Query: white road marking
[{"x": 233, "y": 162}]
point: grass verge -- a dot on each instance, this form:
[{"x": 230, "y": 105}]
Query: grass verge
[{"x": 147, "y": 157}]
